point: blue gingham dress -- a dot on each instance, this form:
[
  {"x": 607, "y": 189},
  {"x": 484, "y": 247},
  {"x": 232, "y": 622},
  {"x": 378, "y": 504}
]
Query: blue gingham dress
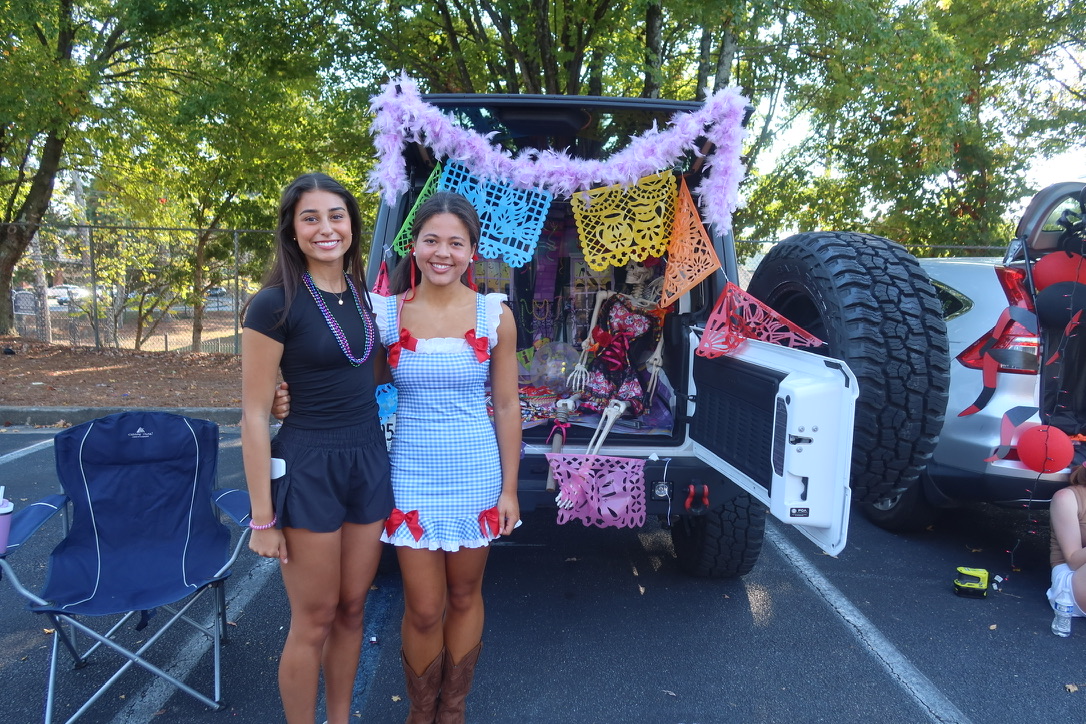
[{"x": 444, "y": 453}]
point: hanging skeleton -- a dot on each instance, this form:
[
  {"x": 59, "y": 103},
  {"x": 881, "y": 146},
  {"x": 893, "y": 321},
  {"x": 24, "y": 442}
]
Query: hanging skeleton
[{"x": 625, "y": 331}]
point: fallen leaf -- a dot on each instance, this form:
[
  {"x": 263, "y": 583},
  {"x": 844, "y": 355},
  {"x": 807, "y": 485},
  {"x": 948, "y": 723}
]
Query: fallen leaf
[{"x": 396, "y": 697}]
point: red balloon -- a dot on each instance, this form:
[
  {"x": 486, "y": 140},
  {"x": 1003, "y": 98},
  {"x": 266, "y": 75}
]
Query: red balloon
[
  {"x": 1045, "y": 449},
  {"x": 1059, "y": 266}
]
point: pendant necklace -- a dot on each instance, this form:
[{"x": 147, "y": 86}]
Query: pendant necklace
[{"x": 333, "y": 325}]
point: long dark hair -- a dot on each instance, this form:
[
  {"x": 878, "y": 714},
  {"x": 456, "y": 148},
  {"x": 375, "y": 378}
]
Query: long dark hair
[
  {"x": 289, "y": 265},
  {"x": 442, "y": 202}
]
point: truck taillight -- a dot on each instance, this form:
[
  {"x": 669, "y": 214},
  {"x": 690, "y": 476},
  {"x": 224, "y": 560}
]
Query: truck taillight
[{"x": 1013, "y": 346}]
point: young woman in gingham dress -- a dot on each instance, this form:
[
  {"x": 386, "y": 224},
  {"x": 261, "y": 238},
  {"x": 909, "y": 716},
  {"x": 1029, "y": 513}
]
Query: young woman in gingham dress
[{"x": 454, "y": 471}]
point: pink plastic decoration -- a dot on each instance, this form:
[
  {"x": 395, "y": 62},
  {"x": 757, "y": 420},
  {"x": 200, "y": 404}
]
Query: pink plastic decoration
[
  {"x": 607, "y": 492},
  {"x": 739, "y": 316}
]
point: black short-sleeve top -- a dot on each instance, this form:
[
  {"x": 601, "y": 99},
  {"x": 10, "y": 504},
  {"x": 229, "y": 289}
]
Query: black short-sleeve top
[{"x": 325, "y": 388}]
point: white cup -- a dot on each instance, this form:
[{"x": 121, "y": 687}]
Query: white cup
[{"x": 6, "y": 507}]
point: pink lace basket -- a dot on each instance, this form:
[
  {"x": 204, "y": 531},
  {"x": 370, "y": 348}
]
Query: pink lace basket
[{"x": 600, "y": 490}]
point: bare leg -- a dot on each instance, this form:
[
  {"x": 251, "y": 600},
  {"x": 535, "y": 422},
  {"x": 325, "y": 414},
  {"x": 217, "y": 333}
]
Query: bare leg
[
  {"x": 464, "y": 611},
  {"x": 359, "y": 557},
  {"x": 1078, "y": 587},
  {"x": 312, "y": 580},
  {"x": 423, "y": 573}
]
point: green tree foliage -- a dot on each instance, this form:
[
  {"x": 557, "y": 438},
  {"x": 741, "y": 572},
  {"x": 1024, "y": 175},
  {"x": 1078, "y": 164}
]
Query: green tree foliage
[
  {"x": 912, "y": 119},
  {"x": 924, "y": 117},
  {"x": 213, "y": 106}
]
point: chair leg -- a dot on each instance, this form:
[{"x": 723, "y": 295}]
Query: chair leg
[
  {"x": 68, "y": 639},
  {"x": 50, "y": 689},
  {"x": 220, "y": 598}
]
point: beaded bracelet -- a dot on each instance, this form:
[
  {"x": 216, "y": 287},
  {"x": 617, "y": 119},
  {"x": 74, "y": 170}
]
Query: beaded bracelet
[{"x": 274, "y": 520}]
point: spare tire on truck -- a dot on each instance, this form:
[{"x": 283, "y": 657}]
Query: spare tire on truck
[{"x": 876, "y": 309}]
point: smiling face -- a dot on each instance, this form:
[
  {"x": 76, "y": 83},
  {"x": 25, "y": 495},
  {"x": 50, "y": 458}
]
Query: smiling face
[
  {"x": 443, "y": 249},
  {"x": 322, "y": 227}
]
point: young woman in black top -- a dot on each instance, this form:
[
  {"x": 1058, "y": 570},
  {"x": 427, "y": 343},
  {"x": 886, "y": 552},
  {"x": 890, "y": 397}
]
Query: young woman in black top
[{"x": 322, "y": 516}]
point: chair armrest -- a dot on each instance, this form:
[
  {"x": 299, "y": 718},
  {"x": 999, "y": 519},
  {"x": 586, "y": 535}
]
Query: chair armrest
[
  {"x": 25, "y": 522},
  {"x": 233, "y": 502}
]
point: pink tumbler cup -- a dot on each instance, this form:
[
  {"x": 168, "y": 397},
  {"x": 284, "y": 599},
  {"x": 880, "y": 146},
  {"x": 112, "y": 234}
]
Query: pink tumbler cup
[{"x": 6, "y": 506}]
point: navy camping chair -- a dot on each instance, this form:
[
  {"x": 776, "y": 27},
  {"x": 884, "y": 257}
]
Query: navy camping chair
[{"x": 144, "y": 535}]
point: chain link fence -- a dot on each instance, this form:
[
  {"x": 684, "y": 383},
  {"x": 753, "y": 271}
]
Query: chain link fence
[
  {"x": 136, "y": 287},
  {"x": 144, "y": 288}
]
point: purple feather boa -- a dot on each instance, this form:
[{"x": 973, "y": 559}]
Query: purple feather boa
[{"x": 402, "y": 117}]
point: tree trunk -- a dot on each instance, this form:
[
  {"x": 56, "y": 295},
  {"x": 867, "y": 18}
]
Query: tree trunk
[
  {"x": 654, "y": 41},
  {"x": 705, "y": 48},
  {"x": 13, "y": 241},
  {"x": 725, "y": 60},
  {"x": 546, "y": 45},
  {"x": 15, "y": 236},
  {"x": 454, "y": 48}
]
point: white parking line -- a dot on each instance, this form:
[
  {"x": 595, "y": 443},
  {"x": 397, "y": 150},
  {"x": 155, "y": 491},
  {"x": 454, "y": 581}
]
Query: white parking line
[
  {"x": 927, "y": 696},
  {"x": 25, "y": 451},
  {"x": 143, "y": 707}
]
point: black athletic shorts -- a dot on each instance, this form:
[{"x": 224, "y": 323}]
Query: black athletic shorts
[{"x": 334, "y": 476}]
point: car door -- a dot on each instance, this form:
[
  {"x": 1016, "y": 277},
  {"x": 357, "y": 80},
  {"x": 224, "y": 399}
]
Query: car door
[{"x": 778, "y": 423}]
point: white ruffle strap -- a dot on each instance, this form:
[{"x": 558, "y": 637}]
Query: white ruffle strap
[
  {"x": 494, "y": 309},
  {"x": 380, "y": 312}
]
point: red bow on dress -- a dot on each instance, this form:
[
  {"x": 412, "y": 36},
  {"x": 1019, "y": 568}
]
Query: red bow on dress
[
  {"x": 398, "y": 517},
  {"x": 481, "y": 345},
  {"x": 489, "y": 519},
  {"x": 406, "y": 341}
]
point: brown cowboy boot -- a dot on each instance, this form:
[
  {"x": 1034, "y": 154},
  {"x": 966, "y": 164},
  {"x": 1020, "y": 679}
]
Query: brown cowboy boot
[
  {"x": 422, "y": 690},
  {"x": 455, "y": 685}
]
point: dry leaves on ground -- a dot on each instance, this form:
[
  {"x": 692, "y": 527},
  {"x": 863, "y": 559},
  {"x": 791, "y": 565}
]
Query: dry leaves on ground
[{"x": 35, "y": 374}]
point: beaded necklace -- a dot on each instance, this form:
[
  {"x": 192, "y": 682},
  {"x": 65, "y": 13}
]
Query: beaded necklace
[{"x": 334, "y": 325}]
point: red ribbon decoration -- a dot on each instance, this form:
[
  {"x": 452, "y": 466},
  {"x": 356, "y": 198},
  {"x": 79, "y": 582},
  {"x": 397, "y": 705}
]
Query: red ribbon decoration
[
  {"x": 489, "y": 519},
  {"x": 481, "y": 345},
  {"x": 406, "y": 342},
  {"x": 398, "y": 518}
]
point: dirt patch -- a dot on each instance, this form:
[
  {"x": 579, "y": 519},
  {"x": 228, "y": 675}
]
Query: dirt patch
[{"x": 35, "y": 374}]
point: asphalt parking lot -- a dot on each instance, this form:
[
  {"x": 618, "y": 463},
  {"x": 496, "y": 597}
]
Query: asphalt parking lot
[{"x": 589, "y": 625}]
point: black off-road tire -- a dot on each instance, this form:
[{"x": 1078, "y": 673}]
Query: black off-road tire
[
  {"x": 876, "y": 309},
  {"x": 904, "y": 511},
  {"x": 723, "y": 542}
]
